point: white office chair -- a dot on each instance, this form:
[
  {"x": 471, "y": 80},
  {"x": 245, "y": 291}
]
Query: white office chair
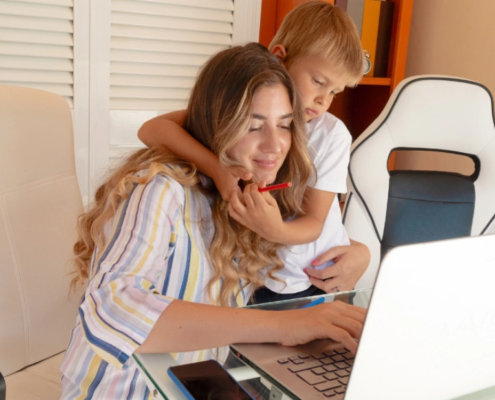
[
  {"x": 39, "y": 204},
  {"x": 387, "y": 209}
]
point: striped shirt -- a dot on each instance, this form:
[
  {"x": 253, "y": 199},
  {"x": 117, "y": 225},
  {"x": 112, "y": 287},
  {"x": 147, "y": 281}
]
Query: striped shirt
[{"x": 156, "y": 251}]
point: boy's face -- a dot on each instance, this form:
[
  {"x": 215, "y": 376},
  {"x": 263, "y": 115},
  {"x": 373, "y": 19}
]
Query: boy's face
[{"x": 317, "y": 82}]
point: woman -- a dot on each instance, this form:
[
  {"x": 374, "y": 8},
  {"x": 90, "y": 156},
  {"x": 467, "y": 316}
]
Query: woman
[{"x": 158, "y": 246}]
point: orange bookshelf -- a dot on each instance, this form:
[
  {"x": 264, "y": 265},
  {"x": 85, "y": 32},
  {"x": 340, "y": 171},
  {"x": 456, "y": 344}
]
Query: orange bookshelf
[
  {"x": 357, "y": 107},
  {"x": 376, "y": 81}
]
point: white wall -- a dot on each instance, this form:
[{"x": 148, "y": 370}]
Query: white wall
[{"x": 451, "y": 37}]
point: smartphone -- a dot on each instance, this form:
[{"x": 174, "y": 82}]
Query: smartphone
[{"x": 207, "y": 380}]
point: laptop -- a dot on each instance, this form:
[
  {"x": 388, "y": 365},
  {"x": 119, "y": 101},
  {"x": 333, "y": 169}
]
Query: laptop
[{"x": 429, "y": 332}]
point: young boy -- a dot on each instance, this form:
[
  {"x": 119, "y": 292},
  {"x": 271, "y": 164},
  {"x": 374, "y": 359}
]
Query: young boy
[{"x": 320, "y": 47}]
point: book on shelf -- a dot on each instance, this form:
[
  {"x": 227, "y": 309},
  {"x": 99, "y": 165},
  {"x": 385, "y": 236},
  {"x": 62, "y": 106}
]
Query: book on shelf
[
  {"x": 369, "y": 30},
  {"x": 384, "y": 38},
  {"x": 341, "y": 4},
  {"x": 355, "y": 9},
  {"x": 373, "y": 20}
]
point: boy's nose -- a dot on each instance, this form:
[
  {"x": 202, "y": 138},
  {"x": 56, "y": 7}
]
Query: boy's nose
[
  {"x": 321, "y": 99},
  {"x": 324, "y": 100}
]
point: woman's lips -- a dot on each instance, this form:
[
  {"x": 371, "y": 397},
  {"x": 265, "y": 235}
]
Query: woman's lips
[{"x": 266, "y": 164}]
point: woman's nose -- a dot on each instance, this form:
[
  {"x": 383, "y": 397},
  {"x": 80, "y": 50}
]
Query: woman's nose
[{"x": 272, "y": 140}]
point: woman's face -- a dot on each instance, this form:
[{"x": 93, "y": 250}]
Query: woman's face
[{"x": 263, "y": 149}]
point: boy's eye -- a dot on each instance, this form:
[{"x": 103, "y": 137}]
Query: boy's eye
[{"x": 316, "y": 81}]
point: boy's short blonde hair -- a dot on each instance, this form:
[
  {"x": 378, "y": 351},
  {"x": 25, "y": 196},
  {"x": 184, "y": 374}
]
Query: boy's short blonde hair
[{"x": 319, "y": 28}]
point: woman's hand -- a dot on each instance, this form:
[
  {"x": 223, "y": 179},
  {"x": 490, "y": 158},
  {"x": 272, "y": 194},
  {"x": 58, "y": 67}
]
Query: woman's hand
[
  {"x": 257, "y": 211},
  {"x": 338, "y": 321},
  {"x": 189, "y": 326},
  {"x": 350, "y": 264},
  {"x": 227, "y": 179}
]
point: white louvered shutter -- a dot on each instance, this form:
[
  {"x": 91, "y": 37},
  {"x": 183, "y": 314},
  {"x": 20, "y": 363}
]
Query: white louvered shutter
[
  {"x": 157, "y": 48},
  {"x": 36, "y": 45}
]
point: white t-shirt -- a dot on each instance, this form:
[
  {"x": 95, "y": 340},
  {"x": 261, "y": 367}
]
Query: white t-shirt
[{"x": 329, "y": 147}]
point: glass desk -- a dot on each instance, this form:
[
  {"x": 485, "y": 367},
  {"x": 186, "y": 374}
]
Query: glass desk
[{"x": 154, "y": 366}]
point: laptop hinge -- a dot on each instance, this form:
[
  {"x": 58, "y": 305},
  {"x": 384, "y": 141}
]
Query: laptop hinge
[{"x": 275, "y": 393}]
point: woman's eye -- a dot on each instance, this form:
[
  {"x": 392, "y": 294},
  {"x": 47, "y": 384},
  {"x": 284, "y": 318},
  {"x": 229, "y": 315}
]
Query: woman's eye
[
  {"x": 254, "y": 129},
  {"x": 319, "y": 83},
  {"x": 285, "y": 127}
]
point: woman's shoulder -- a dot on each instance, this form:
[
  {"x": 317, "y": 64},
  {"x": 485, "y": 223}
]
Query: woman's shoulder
[
  {"x": 162, "y": 185},
  {"x": 178, "y": 189}
]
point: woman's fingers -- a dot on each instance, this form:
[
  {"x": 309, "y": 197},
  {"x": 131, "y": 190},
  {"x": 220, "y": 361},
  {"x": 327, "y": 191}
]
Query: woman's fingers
[
  {"x": 326, "y": 273},
  {"x": 269, "y": 199},
  {"x": 328, "y": 255},
  {"x": 333, "y": 285},
  {"x": 248, "y": 197},
  {"x": 350, "y": 264},
  {"x": 259, "y": 200},
  {"x": 267, "y": 196},
  {"x": 350, "y": 344},
  {"x": 321, "y": 285},
  {"x": 330, "y": 279},
  {"x": 348, "y": 320},
  {"x": 355, "y": 313},
  {"x": 328, "y": 286},
  {"x": 233, "y": 213},
  {"x": 351, "y": 326},
  {"x": 236, "y": 208},
  {"x": 258, "y": 197},
  {"x": 341, "y": 335},
  {"x": 336, "y": 320}
]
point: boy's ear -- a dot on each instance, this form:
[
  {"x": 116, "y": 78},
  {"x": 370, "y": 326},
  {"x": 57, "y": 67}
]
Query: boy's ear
[{"x": 279, "y": 52}]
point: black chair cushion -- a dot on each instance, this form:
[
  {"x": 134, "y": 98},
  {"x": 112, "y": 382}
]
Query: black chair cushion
[{"x": 424, "y": 206}]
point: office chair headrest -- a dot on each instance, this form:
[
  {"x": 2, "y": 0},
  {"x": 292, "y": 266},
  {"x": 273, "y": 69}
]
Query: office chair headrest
[{"x": 432, "y": 113}]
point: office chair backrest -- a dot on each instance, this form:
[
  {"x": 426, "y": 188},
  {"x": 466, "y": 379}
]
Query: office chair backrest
[
  {"x": 385, "y": 209},
  {"x": 39, "y": 203}
]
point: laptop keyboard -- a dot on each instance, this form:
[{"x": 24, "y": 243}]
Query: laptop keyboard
[{"x": 326, "y": 372}]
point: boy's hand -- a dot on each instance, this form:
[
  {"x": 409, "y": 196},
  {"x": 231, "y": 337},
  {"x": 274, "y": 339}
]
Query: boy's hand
[
  {"x": 257, "y": 211},
  {"x": 350, "y": 264},
  {"x": 227, "y": 179}
]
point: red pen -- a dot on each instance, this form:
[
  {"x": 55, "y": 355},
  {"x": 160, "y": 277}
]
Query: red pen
[{"x": 275, "y": 187}]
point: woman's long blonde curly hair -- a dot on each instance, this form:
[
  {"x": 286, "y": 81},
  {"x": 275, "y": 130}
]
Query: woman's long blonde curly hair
[{"x": 218, "y": 115}]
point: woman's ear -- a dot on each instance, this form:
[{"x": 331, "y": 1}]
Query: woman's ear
[{"x": 279, "y": 52}]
